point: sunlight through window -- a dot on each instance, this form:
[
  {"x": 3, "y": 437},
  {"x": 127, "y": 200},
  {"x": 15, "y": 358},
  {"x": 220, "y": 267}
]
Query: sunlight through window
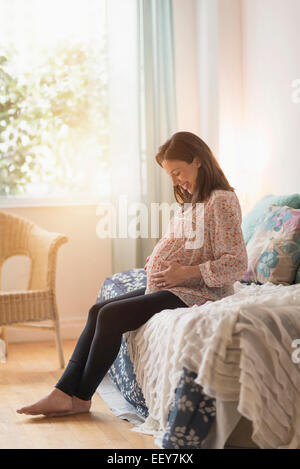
[{"x": 54, "y": 125}]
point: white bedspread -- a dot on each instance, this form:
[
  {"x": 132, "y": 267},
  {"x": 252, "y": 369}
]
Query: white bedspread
[{"x": 241, "y": 349}]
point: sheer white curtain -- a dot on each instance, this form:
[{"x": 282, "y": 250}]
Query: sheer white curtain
[{"x": 142, "y": 116}]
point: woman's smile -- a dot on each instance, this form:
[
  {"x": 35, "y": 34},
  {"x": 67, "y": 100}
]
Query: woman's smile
[{"x": 187, "y": 186}]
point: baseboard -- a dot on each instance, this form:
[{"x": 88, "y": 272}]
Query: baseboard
[{"x": 70, "y": 328}]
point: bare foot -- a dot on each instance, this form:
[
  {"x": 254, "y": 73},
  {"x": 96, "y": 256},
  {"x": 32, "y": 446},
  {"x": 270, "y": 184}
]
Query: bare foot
[
  {"x": 55, "y": 401},
  {"x": 79, "y": 406}
]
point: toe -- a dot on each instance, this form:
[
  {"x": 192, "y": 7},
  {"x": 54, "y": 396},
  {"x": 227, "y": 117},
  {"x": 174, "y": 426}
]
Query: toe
[
  {"x": 22, "y": 410},
  {"x": 28, "y": 411}
]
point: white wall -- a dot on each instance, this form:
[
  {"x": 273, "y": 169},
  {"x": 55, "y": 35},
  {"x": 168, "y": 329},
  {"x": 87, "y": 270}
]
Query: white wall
[
  {"x": 248, "y": 58},
  {"x": 271, "y": 62}
]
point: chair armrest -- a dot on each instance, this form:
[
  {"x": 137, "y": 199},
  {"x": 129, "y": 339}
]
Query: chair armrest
[{"x": 43, "y": 247}]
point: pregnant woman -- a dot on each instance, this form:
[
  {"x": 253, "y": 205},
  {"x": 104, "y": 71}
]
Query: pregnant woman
[{"x": 180, "y": 273}]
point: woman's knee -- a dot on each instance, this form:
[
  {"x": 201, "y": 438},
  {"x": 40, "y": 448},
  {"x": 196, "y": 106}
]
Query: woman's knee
[
  {"x": 109, "y": 316},
  {"x": 93, "y": 312}
]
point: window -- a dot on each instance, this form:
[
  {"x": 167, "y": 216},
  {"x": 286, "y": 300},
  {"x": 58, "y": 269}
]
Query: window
[{"x": 54, "y": 125}]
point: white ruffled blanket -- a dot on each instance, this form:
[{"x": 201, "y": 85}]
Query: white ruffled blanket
[{"x": 241, "y": 349}]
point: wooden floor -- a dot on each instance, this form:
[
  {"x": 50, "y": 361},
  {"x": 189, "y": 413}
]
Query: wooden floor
[{"x": 30, "y": 372}]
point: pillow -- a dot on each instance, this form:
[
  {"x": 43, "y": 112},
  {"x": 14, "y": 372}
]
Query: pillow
[
  {"x": 250, "y": 221},
  {"x": 274, "y": 249}
]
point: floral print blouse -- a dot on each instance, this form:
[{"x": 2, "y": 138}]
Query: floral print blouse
[{"x": 218, "y": 248}]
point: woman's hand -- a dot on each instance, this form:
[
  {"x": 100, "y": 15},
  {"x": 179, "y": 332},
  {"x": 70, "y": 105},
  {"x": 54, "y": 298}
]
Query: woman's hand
[{"x": 174, "y": 274}]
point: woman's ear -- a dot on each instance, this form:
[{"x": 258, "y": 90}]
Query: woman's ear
[{"x": 197, "y": 161}]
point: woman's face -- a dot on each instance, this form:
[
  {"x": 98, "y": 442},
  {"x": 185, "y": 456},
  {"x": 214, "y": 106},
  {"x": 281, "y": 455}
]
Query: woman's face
[{"x": 182, "y": 173}]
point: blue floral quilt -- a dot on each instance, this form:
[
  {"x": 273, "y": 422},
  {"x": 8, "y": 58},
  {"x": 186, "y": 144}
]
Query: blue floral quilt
[{"x": 192, "y": 412}]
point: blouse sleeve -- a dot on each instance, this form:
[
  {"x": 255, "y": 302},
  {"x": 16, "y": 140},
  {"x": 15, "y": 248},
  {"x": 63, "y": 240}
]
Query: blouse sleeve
[
  {"x": 145, "y": 266},
  {"x": 227, "y": 241}
]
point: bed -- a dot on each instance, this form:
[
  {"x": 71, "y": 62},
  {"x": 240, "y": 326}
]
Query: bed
[
  {"x": 195, "y": 419},
  {"x": 186, "y": 430}
]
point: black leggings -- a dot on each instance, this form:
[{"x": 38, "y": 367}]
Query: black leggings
[{"x": 100, "y": 342}]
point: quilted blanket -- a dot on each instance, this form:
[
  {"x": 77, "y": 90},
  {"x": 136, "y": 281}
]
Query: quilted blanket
[
  {"x": 236, "y": 349},
  {"x": 239, "y": 347}
]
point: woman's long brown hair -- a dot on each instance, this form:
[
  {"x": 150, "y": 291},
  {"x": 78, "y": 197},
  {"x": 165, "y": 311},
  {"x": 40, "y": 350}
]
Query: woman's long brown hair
[{"x": 185, "y": 146}]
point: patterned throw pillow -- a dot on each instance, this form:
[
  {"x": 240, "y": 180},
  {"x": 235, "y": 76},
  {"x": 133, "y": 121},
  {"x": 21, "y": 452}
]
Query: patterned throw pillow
[
  {"x": 251, "y": 220},
  {"x": 274, "y": 249}
]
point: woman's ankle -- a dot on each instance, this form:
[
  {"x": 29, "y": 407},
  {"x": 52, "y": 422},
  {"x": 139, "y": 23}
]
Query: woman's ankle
[
  {"x": 59, "y": 393},
  {"x": 83, "y": 401}
]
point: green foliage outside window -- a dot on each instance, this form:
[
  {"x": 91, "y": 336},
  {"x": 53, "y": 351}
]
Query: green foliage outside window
[{"x": 54, "y": 122}]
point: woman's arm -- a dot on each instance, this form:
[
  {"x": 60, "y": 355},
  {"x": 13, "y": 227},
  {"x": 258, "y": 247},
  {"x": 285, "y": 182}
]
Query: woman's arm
[
  {"x": 145, "y": 266},
  {"x": 191, "y": 271},
  {"x": 227, "y": 241}
]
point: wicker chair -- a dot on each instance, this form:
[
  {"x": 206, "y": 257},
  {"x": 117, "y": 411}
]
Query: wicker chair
[{"x": 19, "y": 236}]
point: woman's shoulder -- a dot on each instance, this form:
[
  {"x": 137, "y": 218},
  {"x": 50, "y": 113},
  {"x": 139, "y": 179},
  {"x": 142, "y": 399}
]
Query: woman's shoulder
[
  {"x": 223, "y": 201},
  {"x": 222, "y": 194}
]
